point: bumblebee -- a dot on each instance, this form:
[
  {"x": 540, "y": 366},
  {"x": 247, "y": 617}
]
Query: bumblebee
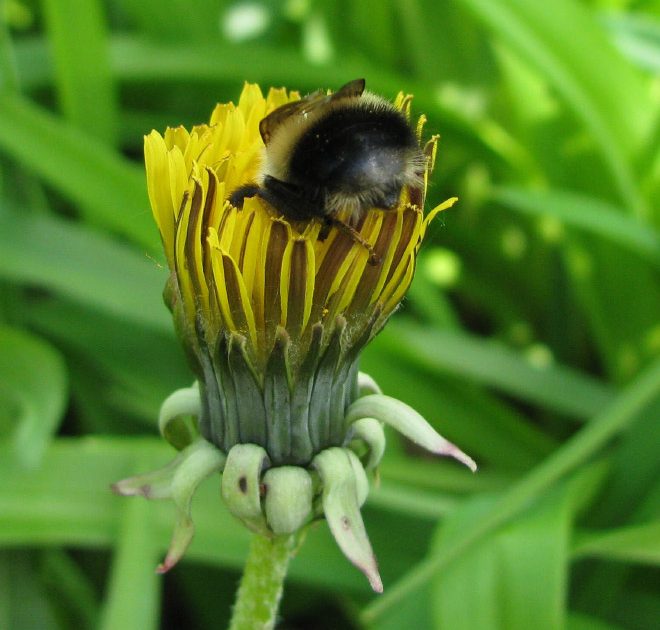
[{"x": 349, "y": 150}]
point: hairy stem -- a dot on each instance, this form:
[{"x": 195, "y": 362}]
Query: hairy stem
[{"x": 259, "y": 594}]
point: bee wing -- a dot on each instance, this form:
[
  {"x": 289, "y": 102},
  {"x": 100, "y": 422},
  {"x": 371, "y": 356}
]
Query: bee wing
[
  {"x": 305, "y": 105},
  {"x": 278, "y": 116},
  {"x": 351, "y": 89}
]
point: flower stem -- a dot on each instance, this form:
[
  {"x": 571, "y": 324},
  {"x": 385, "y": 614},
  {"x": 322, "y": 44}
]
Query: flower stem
[{"x": 259, "y": 594}]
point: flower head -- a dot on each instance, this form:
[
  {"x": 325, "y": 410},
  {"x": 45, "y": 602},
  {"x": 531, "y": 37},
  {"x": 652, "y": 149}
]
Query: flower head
[{"x": 273, "y": 314}]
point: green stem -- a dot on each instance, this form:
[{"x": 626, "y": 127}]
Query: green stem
[{"x": 259, "y": 594}]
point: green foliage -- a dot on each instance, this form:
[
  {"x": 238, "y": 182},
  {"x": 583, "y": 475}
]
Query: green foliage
[{"x": 531, "y": 335}]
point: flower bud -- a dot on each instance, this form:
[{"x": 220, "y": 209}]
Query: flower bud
[{"x": 273, "y": 309}]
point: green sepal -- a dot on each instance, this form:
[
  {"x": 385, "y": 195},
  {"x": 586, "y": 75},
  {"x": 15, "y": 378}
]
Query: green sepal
[
  {"x": 360, "y": 476},
  {"x": 322, "y": 403},
  {"x": 407, "y": 421},
  {"x": 178, "y": 481},
  {"x": 344, "y": 486},
  {"x": 288, "y": 500},
  {"x": 200, "y": 460},
  {"x": 370, "y": 431},
  {"x": 277, "y": 399},
  {"x": 155, "y": 484},
  {"x": 174, "y": 416},
  {"x": 367, "y": 385},
  {"x": 226, "y": 425},
  {"x": 251, "y": 418},
  {"x": 213, "y": 420},
  {"x": 184, "y": 329},
  {"x": 241, "y": 484},
  {"x": 301, "y": 440}
]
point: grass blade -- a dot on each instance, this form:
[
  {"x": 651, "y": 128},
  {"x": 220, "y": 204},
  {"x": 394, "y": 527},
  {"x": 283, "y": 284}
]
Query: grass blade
[
  {"x": 488, "y": 362},
  {"x": 625, "y": 409},
  {"x": 133, "y": 593},
  {"x": 78, "y": 39},
  {"x": 87, "y": 266},
  {"x": 588, "y": 214},
  {"x": 32, "y": 377},
  {"x": 85, "y": 171},
  {"x": 566, "y": 45},
  {"x": 638, "y": 543},
  {"x": 516, "y": 577}
]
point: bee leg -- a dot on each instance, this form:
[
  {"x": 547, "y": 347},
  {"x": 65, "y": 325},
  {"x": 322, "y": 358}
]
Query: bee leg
[
  {"x": 237, "y": 198},
  {"x": 289, "y": 199},
  {"x": 325, "y": 230},
  {"x": 330, "y": 221}
]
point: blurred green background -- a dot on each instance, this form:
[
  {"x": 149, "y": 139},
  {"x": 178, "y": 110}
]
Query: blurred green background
[{"x": 531, "y": 335}]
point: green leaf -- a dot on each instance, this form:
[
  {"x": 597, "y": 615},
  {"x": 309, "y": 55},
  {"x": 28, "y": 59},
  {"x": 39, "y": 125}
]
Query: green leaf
[
  {"x": 78, "y": 40},
  {"x": 24, "y": 603},
  {"x": 105, "y": 185},
  {"x": 638, "y": 543},
  {"x": 579, "y": 621},
  {"x": 586, "y": 213},
  {"x": 440, "y": 476},
  {"x": 133, "y": 594},
  {"x": 33, "y": 387},
  {"x": 516, "y": 577},
  {"x": 568, "y": 47},
  {"x": 489, "y": 431},
  {"x": 629, "y": 496},
  {"x": 174, "y": 21},
  {"x": 637, "y": 36},
  {"x": 87, "y": 266},
  {"x": 139, "y": 366},
  {"x": 409, "y": 500},
  {"x": 413, "y": 612},
  {"x": 73, "y": 589},
  {"x": 625, "y": 409},
  {"x": 491, "y": 363},
  {"x": 619, "y": 295}
]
